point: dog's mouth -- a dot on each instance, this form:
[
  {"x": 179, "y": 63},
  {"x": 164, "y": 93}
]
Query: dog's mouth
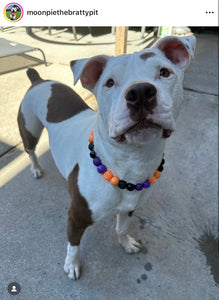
[{"x": 143, "y": 125}]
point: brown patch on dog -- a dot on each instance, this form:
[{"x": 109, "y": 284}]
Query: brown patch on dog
[
  {"x": 63, "y": 104},
  {"x": 79, "y": 214},
  {"x": 28, "y": 139},
  {"x": 147, "y": 55}
]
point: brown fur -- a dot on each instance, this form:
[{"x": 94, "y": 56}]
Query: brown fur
[
  {"x": 28, "y": 139},
  {"x": 147, "y": 55},
  {"x": 79, "y": 214},
  {"x": 64, "y": 103},
  {"x": 34, "y": 77}
]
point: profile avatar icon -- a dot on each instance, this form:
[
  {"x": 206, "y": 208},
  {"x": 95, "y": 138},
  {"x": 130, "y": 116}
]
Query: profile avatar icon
[
  {"x": 13, "y": 12},
  {"x": 14, "y": 289}
]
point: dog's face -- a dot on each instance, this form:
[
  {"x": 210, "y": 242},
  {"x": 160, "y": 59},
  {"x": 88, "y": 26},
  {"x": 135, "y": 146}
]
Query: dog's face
[
  {"x": 13, "y": 9},
  {"x": 138, "y": 95}
]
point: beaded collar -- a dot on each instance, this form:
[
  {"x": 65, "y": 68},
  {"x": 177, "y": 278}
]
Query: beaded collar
[{"x": 114, "y": 180}]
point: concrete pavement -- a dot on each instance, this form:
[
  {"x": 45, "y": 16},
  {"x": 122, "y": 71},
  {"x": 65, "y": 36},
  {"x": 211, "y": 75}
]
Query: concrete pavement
[{"x": 177, "y": 226}]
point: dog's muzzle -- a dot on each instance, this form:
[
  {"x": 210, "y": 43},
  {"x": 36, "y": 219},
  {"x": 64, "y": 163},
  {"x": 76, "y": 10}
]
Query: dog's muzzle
[{"x": 141, "y": 99}]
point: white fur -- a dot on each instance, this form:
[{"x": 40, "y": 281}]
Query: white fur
[
  {"x": 137, "y": 159},
  {"x": 72, "y": 262},
  {"x": 127, "y": 242},
  {"x": 13, "y": 16},
  {"x": 35, "y": 166}
]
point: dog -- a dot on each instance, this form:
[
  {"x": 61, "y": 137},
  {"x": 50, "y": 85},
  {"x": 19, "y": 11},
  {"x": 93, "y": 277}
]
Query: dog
[
  {"x": 13, "y": 13},
  {"x": 112, "y": 157}
]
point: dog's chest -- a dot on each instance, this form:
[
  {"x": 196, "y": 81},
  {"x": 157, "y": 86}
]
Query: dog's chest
[
  {"x": 104, "y": 199},
  {"x": 117, "y": 201}
]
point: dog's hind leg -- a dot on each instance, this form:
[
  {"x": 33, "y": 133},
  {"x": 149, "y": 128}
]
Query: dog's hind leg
[
  {"x": 127, "y": 242},
  {"x": 30, "y": 129}
]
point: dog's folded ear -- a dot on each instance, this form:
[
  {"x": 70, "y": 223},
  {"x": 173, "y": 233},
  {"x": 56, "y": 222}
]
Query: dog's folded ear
[
  {"x": 179, "y": 50},
  {"x": 89, "y": 70}
]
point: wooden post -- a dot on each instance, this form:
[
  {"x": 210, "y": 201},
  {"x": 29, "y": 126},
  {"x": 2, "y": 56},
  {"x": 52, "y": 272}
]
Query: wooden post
[{"x": 121, "y": 40}]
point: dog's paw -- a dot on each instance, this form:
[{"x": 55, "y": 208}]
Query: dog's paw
[
  {"x": 129, "y": 244},
  {"x": 37, "y": 172},
  {"x": 72, "y": 270}
]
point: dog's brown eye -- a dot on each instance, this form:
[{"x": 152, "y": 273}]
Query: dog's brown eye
[
  {"x": 110, "y": 83},
  {"x": 164, "y": 72}
]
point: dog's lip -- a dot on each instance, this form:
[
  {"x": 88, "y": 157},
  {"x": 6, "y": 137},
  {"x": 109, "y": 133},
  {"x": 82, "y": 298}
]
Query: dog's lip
[{"x": 142, "y": 124}]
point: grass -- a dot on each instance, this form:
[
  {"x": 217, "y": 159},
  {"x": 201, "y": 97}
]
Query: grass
[{"x": 18, "y": 14}]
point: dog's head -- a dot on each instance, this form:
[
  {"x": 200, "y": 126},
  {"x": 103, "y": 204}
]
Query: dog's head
[
  {"x": 14, "y": 9},
  {"x": 139, "y": 94}
]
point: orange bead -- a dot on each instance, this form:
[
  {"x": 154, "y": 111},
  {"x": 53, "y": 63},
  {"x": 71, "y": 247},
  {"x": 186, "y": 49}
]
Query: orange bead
[
  {"x": 152, "y": 179},
  {"x": 92, "y": 133},
  {"x": 91, "y": 139},
  {"x": 108, "y": 175},
  {"x": 114, "y": 180},
  {"x": 157, "y": 174}
]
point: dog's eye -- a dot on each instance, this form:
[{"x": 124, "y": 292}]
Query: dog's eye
[
  {"x": 110, "y": 83},
  {"x": 164, "y": 72}
]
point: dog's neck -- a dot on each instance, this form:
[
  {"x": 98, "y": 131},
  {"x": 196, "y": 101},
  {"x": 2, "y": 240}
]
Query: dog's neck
[{"x": 142, "y": 159}]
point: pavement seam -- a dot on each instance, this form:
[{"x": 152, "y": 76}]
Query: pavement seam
[
  {"x": 200, "y": 92},
  {"x": 10, "y": 149}
]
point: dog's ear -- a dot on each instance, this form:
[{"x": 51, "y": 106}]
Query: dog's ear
[
  {"x": 89, "y": 70},
  {"x": 179, "y": 51}
]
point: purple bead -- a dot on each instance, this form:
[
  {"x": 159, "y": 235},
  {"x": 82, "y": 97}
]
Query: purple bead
[
  {"x": 139, "y": 186},
  {"x": 97, "y": 161},
  {"x": 146, "y": 184},
  {"x": 101, "y": 169}
]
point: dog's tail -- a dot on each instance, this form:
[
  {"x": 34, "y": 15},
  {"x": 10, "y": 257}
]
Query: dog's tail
[{"x": 33, "y": 75}]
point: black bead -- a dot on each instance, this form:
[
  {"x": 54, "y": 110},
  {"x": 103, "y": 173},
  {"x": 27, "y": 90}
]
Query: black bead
[
  {"x": 160, "y": 169},
  {"x": 91, "y": 146},
  {"x": 122, "y": 184},
  {"x": 92, "y": 154},
  {"x": 163, "y": 162},
  {"x": 130, "y": 187}
]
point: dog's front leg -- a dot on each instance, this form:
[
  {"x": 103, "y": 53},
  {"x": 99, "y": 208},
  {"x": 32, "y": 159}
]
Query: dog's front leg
[
  {"x": 128, "y": 243},
  {"x": 79, "y": 218},
  {"x": 72, "y": 262},
  {"x": 75, "y": 230}
]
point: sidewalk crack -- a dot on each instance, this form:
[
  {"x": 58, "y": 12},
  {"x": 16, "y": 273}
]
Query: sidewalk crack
[{"x": 200, "y": 92}]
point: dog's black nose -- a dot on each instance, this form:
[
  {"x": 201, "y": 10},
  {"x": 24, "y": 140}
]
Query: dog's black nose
[{"x": 142, "y": 94}]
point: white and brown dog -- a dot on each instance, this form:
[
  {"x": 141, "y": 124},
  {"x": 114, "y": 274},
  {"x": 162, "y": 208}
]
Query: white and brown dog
[
  {"x": 13, "y": 13},
  {"x": 139, "y": 97}
]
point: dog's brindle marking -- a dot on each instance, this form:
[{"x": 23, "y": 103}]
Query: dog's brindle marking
[
  {"x": 63, "y": 104},
  {"x": 79, "y": 214},
  {"x": 28, "y": 139}
]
